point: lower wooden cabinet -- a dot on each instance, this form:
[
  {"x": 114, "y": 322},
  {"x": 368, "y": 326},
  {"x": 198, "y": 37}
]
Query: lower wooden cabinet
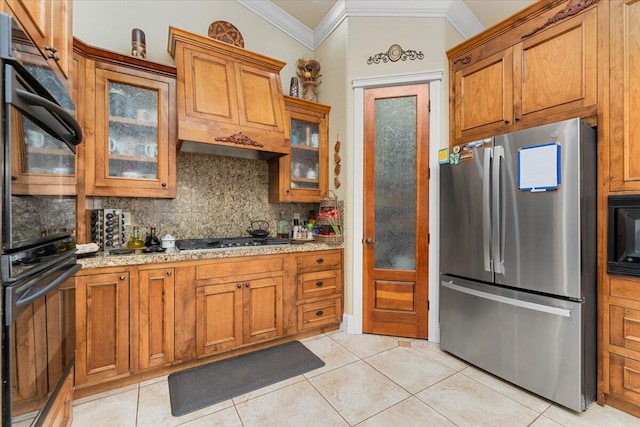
[
  {"x": 102, "y": 326},
  {"x": 319, "y": 289},
  {"x": 154, "y": 308},
  {"x": 620, "y": 349},
  {"x": 238, "y": 312},
  {"x": 319, "y": 313},
  {"x": 133, "y": 321}
]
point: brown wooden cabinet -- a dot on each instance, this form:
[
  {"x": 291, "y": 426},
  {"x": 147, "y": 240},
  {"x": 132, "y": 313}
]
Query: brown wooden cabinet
[
  {"x": 49, "y": 24},
  {"x": 227, "y": 95},
  {"x": 319, "y": 289},
  {"x": 130, "y": 134},
  {"x": 621, "y": 356},
  {"x": 237, "y": 302},
  {"x": 102, "y": 325},
  {"x": 624, "y": 117},
  {"x": 302, "y": 176},
  {"x": 136, "y": 321},
  {"x": 154, "y": 309},
  {"x": 542, "y": 69}
]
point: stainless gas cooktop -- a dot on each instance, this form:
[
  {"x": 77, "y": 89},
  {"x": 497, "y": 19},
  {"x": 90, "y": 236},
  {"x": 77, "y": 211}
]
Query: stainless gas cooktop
[{"x": 197, "y": 245}]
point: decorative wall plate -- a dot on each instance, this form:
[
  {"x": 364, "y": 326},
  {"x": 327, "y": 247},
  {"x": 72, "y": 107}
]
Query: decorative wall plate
[
  {"x": 226, "y": 32},
  {"x": 394, "y": 52}
]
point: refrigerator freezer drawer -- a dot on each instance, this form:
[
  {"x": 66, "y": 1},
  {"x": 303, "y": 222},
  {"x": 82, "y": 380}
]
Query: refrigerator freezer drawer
[{"x": 533, "y": 341}]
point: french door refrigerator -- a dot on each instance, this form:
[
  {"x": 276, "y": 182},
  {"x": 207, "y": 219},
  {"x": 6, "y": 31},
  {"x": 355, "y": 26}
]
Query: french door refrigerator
[{"x": 518, "y": 259}]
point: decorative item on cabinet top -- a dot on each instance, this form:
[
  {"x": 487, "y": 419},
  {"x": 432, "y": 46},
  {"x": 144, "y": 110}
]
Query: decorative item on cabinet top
[
  {"x": 309, "y": 73},
  {"x": 226, "y": 32}
]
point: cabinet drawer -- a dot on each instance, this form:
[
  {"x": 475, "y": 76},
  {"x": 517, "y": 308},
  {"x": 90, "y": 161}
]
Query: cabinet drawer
[
  {"x": 238, "y": 267},
  {"x": 624, "y": 378},
  {"x": 628, "y": 288},
  {"x": 624, "y": 327},
  {"x": 319, "y": 284},
  {"x": 321, "y": 313},
  {"x": 322, "y": 260}
]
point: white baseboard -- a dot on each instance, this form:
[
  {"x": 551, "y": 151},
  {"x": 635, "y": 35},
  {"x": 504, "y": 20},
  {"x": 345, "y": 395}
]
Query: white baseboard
[{"x": 349, "y": 325}]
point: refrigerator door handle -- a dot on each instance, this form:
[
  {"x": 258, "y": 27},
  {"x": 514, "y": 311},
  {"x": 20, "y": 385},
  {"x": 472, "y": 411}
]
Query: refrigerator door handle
[
  {"x": 486, "y": 210},
  {"x": 498, "y": 236},
  {"x": 504, "y": 300}
]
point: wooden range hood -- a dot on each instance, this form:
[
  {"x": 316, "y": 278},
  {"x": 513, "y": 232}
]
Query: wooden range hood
[{"x": 230, "y": 99}]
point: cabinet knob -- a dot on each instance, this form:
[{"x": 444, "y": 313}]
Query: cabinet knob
[
  {"x": 319, "y": 313},
  {"x": 164, "y": 184},
  {"x": 168, "y": 273},
  {"x": 239, "y": 286},
  {"x": 246, "y": 285},
  {"x": 517, "y": 119},
  {"x": 506, "y": 122},
  {"x": 51, "y": 49},
  {"x": 121, "y": 277},
  {"x": 319, "y": 284},
  {"x": 320, "y": 260}
]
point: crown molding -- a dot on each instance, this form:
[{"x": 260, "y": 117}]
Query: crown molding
[
  {"x": 281, "y": 20},
  {"x": 454, "y": 11}
]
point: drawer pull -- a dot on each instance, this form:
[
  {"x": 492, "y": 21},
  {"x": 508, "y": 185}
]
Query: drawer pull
[
  {"x": 319, "y": 284},
  {"x": 320, "y": 260},
  {"x": 319, "y": 313}
]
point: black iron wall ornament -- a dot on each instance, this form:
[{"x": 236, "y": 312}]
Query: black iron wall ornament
[{"x": 395, "y": 53}]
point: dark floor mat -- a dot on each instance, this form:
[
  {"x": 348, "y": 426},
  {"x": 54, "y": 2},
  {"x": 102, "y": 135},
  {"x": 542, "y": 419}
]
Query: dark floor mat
[{"x": 202, "y": 386}]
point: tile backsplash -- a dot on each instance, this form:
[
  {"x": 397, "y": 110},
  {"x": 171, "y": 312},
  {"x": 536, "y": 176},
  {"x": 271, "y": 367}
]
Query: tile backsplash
[{"x": 216, "y": 197}]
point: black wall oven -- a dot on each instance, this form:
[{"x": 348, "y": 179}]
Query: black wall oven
[
  {"x": 623, "y": 235},
  {"x": 38, "y": 261}
]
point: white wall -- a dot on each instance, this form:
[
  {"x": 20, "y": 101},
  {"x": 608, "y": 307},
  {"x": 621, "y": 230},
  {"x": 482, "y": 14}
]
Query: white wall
[{"x": 108, "y": 24}]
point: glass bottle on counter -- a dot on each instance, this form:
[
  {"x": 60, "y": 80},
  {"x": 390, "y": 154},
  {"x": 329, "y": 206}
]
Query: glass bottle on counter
[
  {"x": 283, "y": 227},
  {"x": 135, "y": 241},
  {"x": 152, "y": 239},
  {"x": 312, "y": 218}
]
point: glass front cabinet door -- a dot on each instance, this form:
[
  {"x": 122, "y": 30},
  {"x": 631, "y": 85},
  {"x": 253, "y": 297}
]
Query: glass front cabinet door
[
  {"x": 302, "y": 176},
  {"x": 134, "y": 135}
]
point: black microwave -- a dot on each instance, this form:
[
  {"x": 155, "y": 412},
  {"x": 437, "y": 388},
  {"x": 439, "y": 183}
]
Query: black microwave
[{"x": 623, "y": 235}]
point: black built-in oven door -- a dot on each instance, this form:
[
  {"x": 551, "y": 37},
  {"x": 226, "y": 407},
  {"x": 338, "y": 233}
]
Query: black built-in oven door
[
  {"x": 40, "y": 134},
  {"x": 38, "y": 342}
]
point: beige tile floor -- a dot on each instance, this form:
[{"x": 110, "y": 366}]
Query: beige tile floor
[{"x": 368, "y": 381}]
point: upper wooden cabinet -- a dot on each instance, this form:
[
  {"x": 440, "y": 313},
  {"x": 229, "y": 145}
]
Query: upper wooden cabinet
[
  {"x": 48, "y": 23},
  {"x": 227, "y": 95},
  {"x": 130, "y": 126},
  {"x": 624, "y": 117},
  {"x": 541, "y": 68},
  {"x": 302, "y": 176}
]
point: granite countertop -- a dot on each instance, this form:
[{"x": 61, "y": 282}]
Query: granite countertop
[{"x": 102, "y": 259}]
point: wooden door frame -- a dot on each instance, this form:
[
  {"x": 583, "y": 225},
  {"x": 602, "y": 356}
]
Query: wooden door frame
[{"x": 437, "y": 140}]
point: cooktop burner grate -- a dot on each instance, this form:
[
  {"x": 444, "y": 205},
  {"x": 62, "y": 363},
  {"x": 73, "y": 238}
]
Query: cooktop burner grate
[{"x": 227, "y": 243}]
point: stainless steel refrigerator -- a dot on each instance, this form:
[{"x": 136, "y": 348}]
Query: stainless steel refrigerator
[{"x": 518, "y": 259}]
